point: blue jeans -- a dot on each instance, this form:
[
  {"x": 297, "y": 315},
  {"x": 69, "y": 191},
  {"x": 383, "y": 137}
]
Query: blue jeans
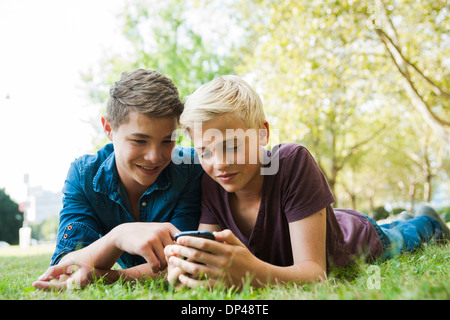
[{"x": 406, "y": 235}]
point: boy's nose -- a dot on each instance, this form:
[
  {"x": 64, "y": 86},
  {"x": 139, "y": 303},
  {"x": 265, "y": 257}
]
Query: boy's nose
[
  {"x": 223, "y": 161},
  {"x": 153, "y": 155},
  {"x": 221, "y": 166}
]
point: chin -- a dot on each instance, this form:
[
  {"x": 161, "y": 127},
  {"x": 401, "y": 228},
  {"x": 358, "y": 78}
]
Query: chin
[
  {"x": 230, "y": 187},
  {"x": 145, "y": 181}
]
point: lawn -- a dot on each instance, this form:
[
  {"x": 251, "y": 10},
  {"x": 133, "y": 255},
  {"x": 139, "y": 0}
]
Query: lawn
[{"x": 419, "y": 275}]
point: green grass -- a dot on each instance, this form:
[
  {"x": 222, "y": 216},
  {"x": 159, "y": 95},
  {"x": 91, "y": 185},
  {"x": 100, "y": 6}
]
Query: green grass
[{"x": 419, "y": 275}]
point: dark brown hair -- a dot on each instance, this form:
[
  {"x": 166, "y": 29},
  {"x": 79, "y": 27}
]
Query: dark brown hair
[{"x": 144, "y": 91}]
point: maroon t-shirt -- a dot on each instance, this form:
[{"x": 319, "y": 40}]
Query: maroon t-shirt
[{"x": 297, "y": 190}]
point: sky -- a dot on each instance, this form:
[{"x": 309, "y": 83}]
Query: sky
[{"x": 45, "y": 115}]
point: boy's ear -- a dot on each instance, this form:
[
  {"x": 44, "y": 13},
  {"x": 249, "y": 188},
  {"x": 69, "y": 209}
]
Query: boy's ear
[
  {"x": 264, "y": 134},
  {"x": 107, "y": 128}
]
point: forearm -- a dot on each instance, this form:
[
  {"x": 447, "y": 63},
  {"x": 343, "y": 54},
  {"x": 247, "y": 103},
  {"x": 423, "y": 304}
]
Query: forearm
[
  {"x": 228, "y": 260},
  {"x": 305, "y": 272},
  {"x": 139, "y": 272},
  {"x": 101, "y": 254},
  {"x": 144, "y": 239}
]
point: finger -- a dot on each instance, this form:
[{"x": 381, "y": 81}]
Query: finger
[
  {"x": 195, "y": 269},
  {"x": 213, "y": 253},
  {"x": 194, "y": 283},
  {"x": 153, "y": 252},
  {"x": 50, "y": 285},
  {"x": 64, "y": 281},
  {"x": 172, "y": 230},
  {"x": 40, "y": 284},
  {"x": 159, "y": 252},
  {"x": 167, "y": 241},
  {"x": 187, "y": 253},
  {"x": 227, "y": 236},
  {"x": 76, "y": 279},
  {"x": 168, "y": 251},
  {"x": 172, "y": 275},
  {"x": 193, "y": 254},
  {"x": 153, "y": 262},
  {"x": 53, "y": 272},
  {"x": 189, "y": 282},
  {"x": 72, "y": 268},
  {"x": 200, "y": 243}
]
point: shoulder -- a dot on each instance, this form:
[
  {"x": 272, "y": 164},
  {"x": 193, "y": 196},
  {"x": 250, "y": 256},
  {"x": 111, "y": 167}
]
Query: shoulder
[
  {"x": 288, "y": 156},
  {"x": 291, "y": 150},
  {"x": 91, "y": 161},
  {"x": 296, "y": 166},
  {"x": 304, "y": 189},
  {"x": 89, "y": 171},
  {"x": 89, "y": 164}
]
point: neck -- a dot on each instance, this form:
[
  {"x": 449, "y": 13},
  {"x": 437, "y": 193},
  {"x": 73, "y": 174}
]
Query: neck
[{"x": 252, "y": 191}]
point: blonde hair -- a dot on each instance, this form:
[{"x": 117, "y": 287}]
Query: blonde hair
[{"x": 224, "y": 95}]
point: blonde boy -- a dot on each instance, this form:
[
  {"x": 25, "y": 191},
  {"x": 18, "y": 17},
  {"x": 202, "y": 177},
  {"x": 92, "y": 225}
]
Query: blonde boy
[{"x": 275, "y": 225}]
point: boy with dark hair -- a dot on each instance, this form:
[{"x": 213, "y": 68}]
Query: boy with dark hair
[{"x": 138, "y": 187}]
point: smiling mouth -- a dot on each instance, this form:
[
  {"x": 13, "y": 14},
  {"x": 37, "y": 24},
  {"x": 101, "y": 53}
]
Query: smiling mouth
[{"x": 147, "y": 170}]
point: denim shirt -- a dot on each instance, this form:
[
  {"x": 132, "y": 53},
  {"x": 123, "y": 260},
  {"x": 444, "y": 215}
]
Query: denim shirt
[{"x": 95, "y": 201}]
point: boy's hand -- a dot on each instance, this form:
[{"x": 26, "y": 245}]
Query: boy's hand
[
  {"x": 226, "y": 259},
  {"x": 147, "y": 240},
  {"x": 68, "y": 274}
]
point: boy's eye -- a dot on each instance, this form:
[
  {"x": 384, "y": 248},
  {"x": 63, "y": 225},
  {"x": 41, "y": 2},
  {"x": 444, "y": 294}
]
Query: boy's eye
[
  {"x": 206, "y": 154},
  {"x": 139, "y": 141},
  {"x": 232, "y": 147}
]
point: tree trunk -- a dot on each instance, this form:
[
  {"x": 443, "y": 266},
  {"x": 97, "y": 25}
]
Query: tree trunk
[
  {"x": 412, "y": 191},
  {"x": 388, "y": 35}
]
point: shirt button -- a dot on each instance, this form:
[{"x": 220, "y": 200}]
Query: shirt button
[
  {"x": 65, "y": 236},
  {"x": 69, "y": 228},
  {"x": 144, "y": 204}
]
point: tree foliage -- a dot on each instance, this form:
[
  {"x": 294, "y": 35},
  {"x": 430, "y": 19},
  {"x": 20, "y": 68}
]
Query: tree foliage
[
  {"x": 11, "y": 219},
  {"x": 163, "y": 36},
  {"x": 421, "y": 59},
  {"x": 329, "y": 82},
  {"x": 363, "y": 84}
]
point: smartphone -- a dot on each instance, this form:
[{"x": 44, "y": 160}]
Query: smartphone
[{"x": 199, "y": 234}]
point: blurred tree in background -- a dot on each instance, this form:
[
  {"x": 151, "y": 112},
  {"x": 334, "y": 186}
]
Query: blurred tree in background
[
  {"x": 164, "y": 36},
  {"x": 11, "y": 219},
  {"x": 415, "y": 35},
  {"x": 330, "y": 82},
  {"x": 363, "y": 84}
]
